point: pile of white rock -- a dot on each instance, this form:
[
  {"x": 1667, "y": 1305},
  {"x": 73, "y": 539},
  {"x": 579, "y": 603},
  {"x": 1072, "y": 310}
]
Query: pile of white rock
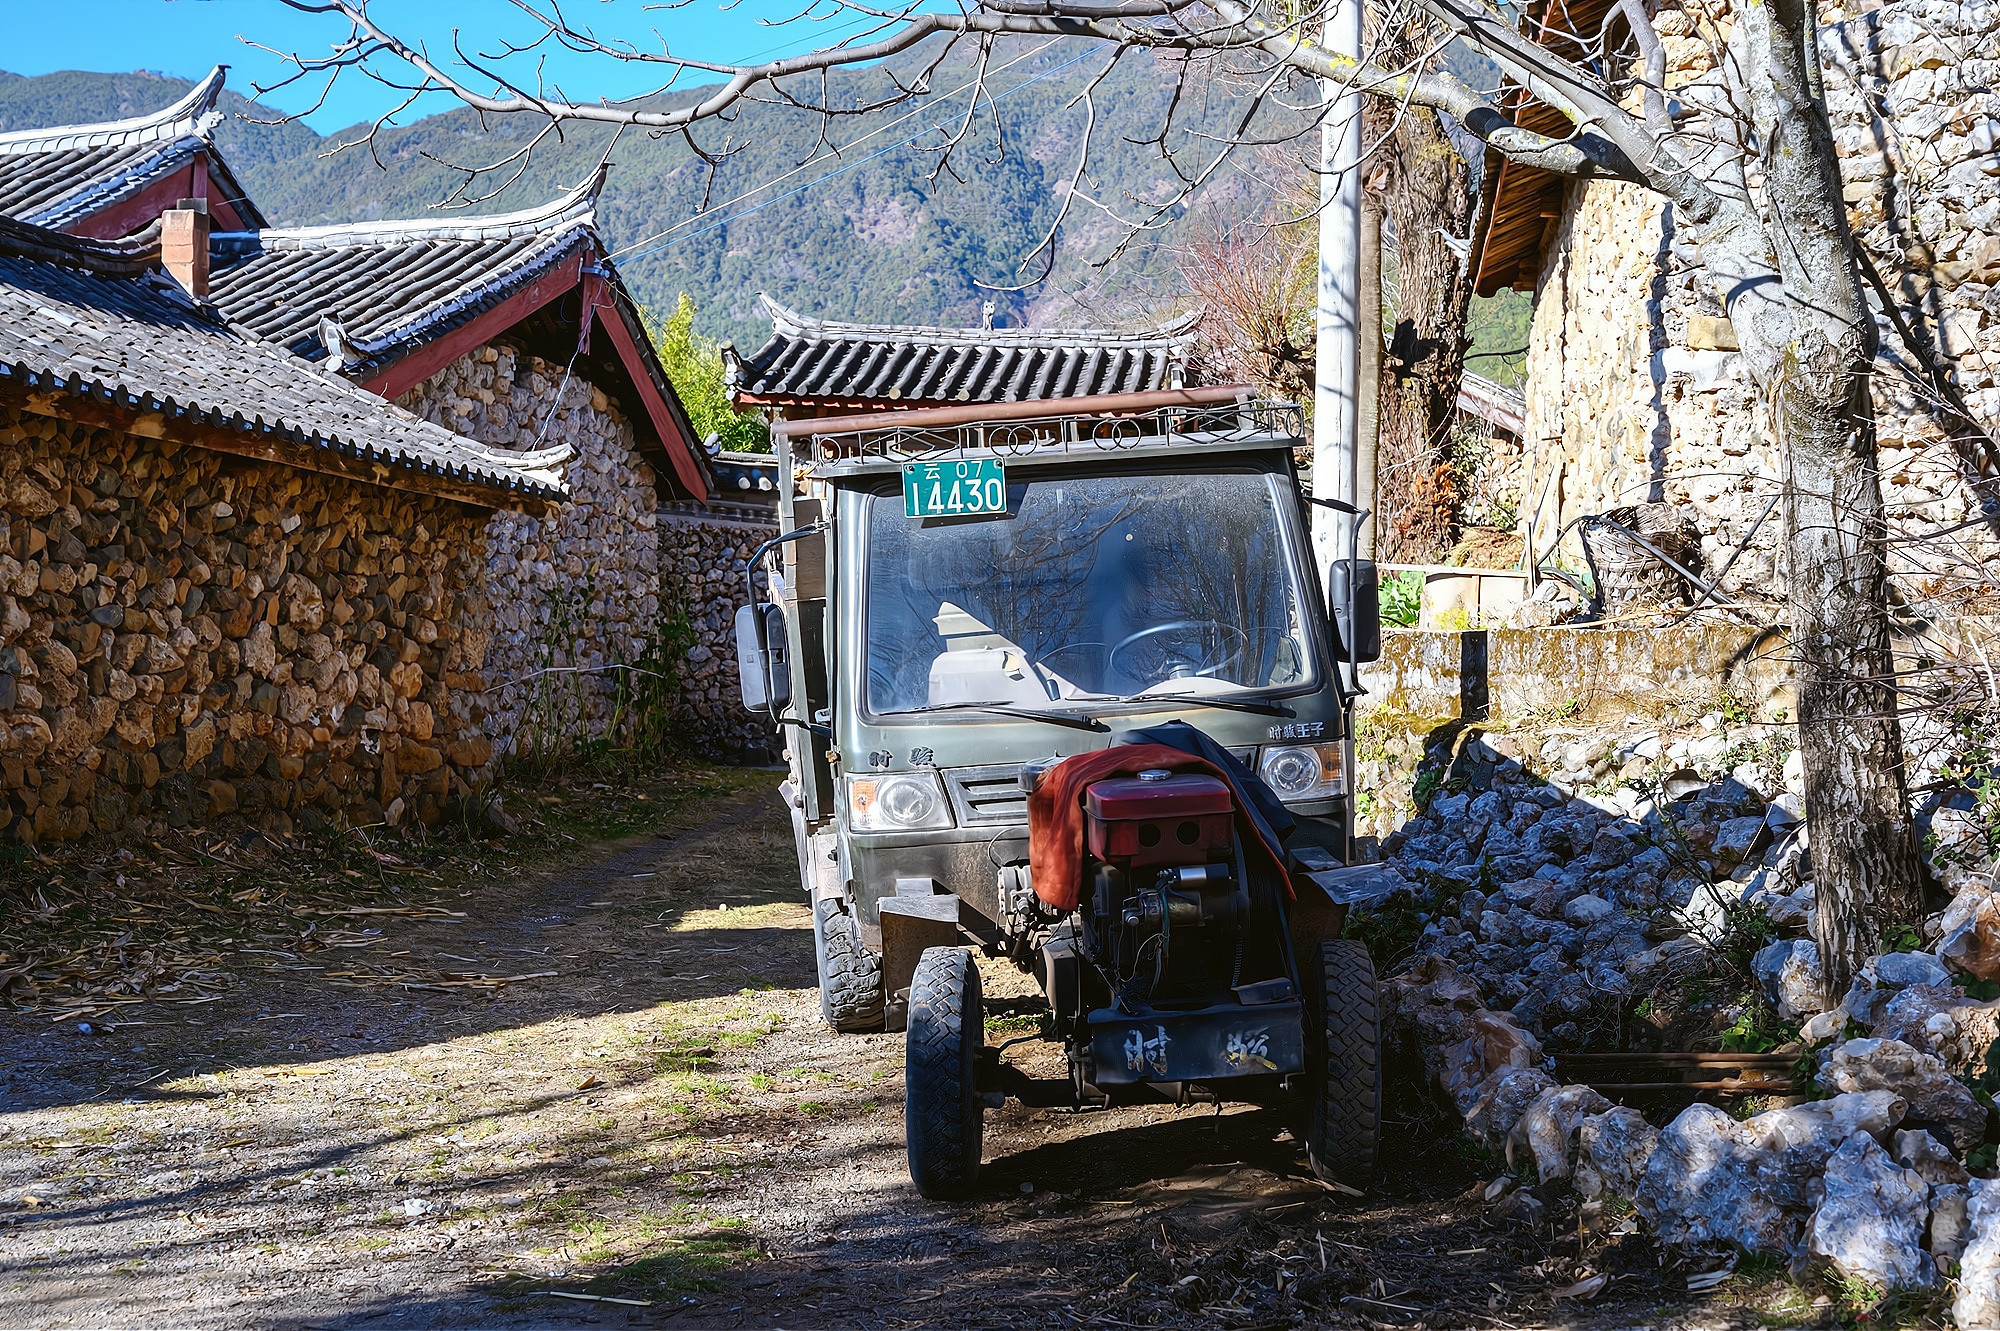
[
  {"x": 1593, "y": 895},
  {"x": 1564, "y": 906}
]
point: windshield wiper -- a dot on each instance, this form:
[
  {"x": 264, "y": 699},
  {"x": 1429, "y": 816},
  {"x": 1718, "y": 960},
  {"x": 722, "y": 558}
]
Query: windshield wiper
[
  {"x": 1008, "y": 709},
  {"x": 1206, "y": 700}
]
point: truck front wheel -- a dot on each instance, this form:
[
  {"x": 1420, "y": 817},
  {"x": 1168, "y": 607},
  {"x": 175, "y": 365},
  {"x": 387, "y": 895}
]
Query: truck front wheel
[
  {"x": 850, "y": 976},
  {"x": 943, "y": 1116},
  {"x": 1343, "y": 1062}
]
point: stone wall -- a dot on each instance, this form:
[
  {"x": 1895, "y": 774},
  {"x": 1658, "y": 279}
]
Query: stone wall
[
  {"x": 187, "y": 636},
  {"x": 575, "y": 594},
  {"x": 1635, "y": 390},
  {"x": 1489, "y": 462},
  {"x": 703, "y": 554},
  {"x": 1567, "y": 701}
]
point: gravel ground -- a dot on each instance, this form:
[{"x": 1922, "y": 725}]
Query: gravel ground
[{"x": 663, "y": 1131}]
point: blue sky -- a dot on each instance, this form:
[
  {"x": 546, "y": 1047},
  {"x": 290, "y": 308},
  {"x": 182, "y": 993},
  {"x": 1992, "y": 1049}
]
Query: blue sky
[{"x": 188, "y": 37}]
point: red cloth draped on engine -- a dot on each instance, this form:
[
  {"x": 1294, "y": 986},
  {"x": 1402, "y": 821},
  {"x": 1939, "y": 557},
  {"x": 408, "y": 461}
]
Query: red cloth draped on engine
[{"x": 1056, "y": 816}]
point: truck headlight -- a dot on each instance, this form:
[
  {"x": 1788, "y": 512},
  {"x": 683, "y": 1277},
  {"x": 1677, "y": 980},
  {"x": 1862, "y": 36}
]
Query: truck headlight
[
  {"x": 904, "y": 802},
  {"x": 1300, "y": 772}
]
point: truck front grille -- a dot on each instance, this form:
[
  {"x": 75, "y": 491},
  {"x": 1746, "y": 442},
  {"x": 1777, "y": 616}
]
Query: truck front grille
[{"x": 987, "y": 796}]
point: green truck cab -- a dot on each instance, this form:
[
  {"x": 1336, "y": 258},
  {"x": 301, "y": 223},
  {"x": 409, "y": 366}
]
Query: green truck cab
[{"x": 962, "y": 598}]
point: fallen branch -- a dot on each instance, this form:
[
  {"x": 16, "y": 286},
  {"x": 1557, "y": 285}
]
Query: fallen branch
[
  {"x": 414, "y": 912},
  {"x": 589, "y": 1298}
]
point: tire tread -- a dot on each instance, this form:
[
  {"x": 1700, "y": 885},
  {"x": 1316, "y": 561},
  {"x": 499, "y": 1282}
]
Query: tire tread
[
  {"x": 943, "y": 1118},
  {"x": 850, "y": 975},
  {"x": 1343, "y": 1140}
]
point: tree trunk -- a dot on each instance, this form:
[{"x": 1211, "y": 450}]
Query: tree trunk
[
  {"x": 1863, "y": 842},
  {"x": 1813, "y": 356},
  {"x": 1426, "y": 194}
]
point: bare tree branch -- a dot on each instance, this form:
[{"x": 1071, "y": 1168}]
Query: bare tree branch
[{"x": 1609, "y": 143}]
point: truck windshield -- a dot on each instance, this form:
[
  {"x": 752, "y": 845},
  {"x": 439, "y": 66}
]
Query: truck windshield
[{"x": 1090, "y": 589}]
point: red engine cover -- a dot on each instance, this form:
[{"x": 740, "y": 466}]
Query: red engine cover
[
  {"x": 1186, "y": 796},
  {"x": 1179, "y": 820}
]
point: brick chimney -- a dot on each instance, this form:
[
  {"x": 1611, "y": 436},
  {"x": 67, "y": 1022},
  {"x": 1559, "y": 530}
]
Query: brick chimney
[{"x": 184, "y": 245}]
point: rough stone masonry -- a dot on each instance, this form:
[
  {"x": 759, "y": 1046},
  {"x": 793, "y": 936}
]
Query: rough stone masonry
[
  {"x": 704, "y": 554},
  {"x": 1585, "y": 883},
  {"x": 186, "y": 635},
  {"x": 575, "y": 593},
  {"x": 1635, "y": 389}
]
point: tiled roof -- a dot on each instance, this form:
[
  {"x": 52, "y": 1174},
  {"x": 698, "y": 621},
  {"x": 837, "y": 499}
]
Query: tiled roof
[
  {"x": 746, "y": 477},
  {"x": 99, "y": 322},
  {"x": 396, "y": 296},
  {"x": 61, "y": 176},
  {"x": 390, "y": 285},
  {"x": 819, "y": 362},
  {"x": 1500, "y": 407}
]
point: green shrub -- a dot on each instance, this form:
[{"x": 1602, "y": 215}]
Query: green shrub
[
  {"x": 1402, "y": 598},
  {"x": 694, "y": 364}
]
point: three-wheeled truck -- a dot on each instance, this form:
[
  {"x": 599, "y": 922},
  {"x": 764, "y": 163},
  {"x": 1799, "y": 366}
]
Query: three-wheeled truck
[{"x": 1059, "y": 678}]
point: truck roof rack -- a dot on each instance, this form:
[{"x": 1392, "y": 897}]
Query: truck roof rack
[{"x": 1109, "y": 422}]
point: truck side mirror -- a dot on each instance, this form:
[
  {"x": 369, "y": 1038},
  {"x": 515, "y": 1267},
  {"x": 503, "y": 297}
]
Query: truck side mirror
[
  {"x": 1354, "y": 602},
  {"x": 763, "y": 660}
]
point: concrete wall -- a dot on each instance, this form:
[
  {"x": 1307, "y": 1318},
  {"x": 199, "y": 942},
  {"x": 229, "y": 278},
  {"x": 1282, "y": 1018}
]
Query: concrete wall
[
  {"x": 1514, "y": 673},
  {"x": 1561, "y": 700},
  {"x": 186, "y": 636}
]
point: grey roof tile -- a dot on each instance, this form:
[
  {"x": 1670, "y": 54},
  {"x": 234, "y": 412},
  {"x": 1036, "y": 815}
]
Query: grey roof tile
[
  {"x": 391, "y": 285},
  {"x": 393, "y": 288},
  {"x": 821, "y": 361},
  {"x": 59, "y": 176},
  {"x": 99, "y": 319}
]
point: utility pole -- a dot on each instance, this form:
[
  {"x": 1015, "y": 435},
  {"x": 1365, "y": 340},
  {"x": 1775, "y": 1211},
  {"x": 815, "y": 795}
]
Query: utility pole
[
  {"x": 1368, "y": 370},
  {"x": 1336, "y": 381}
]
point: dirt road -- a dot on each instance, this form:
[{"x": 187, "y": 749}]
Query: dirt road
[{"x": 661, "y": 1122}]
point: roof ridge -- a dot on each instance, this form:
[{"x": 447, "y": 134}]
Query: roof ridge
[
  {"x": 787, "y": 322},
  {"x": 193, "y": 115},
  {"x": 40, "y": 244},
  {"x": 144, "y": 344},
  {"x": 578, "y": 207}
]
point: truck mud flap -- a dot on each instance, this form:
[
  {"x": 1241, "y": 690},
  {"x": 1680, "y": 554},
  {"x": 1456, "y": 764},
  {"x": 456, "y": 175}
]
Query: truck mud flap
[{"x": 1209, "y": 1044}]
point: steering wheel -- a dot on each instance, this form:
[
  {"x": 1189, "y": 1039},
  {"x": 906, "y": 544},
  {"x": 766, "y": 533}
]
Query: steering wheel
[
  {"x": 1053, "y": 656},
  {"x": 1207, "y": 666},
  {"x": 1047, "y": 665}
]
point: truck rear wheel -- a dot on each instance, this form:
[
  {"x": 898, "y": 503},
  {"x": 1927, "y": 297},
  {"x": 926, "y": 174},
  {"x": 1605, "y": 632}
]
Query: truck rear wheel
[
  {"x": 1343, "y": 1063},
  {"x": 850, "y": 976},
  {"x": 943, "y": 1117}
]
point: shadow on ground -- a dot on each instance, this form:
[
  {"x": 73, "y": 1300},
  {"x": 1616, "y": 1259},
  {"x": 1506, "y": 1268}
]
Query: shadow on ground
[{"x": 637, "y": 926}]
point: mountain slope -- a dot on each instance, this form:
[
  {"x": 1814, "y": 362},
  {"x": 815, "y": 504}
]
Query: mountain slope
[{"x": 861, "y": 235}]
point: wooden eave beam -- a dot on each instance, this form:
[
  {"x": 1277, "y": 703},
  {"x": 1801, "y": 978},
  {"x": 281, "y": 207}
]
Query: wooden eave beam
[
  {"x": 673, "y": 433},
  {"x": 144, "y": 208},
  {"x": 1514, "y": 235},
  {"x": 411, "y": 369},
  {"x": 261, "y": 446}
]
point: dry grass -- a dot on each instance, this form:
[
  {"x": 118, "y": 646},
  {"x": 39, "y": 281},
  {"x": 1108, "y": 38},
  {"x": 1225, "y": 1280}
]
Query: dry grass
[{"x": 88, "y": 928}]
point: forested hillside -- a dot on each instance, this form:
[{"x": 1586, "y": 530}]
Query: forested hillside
[{"x": 860, "y": 234}]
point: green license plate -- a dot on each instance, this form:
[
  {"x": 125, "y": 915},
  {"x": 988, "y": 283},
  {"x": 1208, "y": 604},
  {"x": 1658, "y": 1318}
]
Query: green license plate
[{"x": 965, "y": 488}]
